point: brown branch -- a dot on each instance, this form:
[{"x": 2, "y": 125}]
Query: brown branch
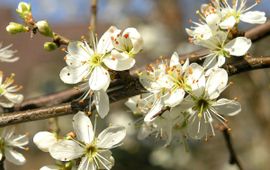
[
  {"x": 127, "y": 87},
  {"x": 255, "y": 34},
  {"x": 93, "y": 20},
  {"x": 233, "y": 157}
]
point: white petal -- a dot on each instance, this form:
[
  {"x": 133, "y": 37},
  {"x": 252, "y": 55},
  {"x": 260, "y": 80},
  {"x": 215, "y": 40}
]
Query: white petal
[
  {"x": 227, "y": 107},
  {"x": 111, "y": 137},
  {"x": 174, "y": 98},
  {"x": 14, "y": 98},
  {"x": 156, "y": 108},
  {"x": 106, "y": 161},
  {"x": 253, "y": 17},
  {"x": 174, "y": 60},
  {"x": 102, "y": 103},
  {"x": 49, "y": 167},
  {"x": 86, "y": 164},
  {"x": 136, "y": 39},
  {"x": 79, "y": 50},
  {"x": 44, "y": 140},
  {"x": 119, "y": 61},
  {"x": 197, "y": 127},
  {"x": 105, "y": 44},
  {"x": 83, "y": 127},
  {"x": 99, "y": 78},
  {"x": 195, "y": 77},
  {"x": 132, "y": 103},
  {"x": 228, "y": 23},
  {"x": 212, "y": 20},
  {"x": 216, "y": 82},
  {"x": 14, "y": 156},
  {"x": 66, "y": 150},
  {"x": 238, "y": 46},
  {"x": 71, "y": 75}
]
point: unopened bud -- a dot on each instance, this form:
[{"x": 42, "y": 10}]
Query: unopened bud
[
  {"x": 24, "y": 9},
  {"x": 14, "y": 28},
  {"x": 50, "y": 46},
  {"x": 44, "y": 28}
]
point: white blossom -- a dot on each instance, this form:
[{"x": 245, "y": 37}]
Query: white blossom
[
  {"x": 44, "y": 140},
  {"x": 126, "y": 45},
  {"x": 220, "y": 48},
  {"x": 205, "y": 108},
  {"x": 7, "y": 55},
  {"x": 8, "y": 142},
  {"x": 8, "y": 95},
  {"x": 94, "y": 152}
]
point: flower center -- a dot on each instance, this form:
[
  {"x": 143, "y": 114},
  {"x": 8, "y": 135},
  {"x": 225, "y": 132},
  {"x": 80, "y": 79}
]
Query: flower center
[
  {"x": 95, "y": 59},
  {"x": 201, "y": 105},
  {"x": 2, "y": 90},
  {"x": 91, "y": 151},
  {"x": 2, "y": 144}
]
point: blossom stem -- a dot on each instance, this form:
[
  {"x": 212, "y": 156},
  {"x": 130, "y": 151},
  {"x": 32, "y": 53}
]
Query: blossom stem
[
  {"x": 93, "y": 19},
  {"x": 233, "y": 156}
]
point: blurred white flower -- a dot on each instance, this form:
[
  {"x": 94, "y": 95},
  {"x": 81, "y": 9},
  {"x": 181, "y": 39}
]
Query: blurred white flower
[
  {"x": 94, "y": 152},
  {"x": 8, "y": 142},
  {"x": 8, "y": 97},
  {"x": 7, "y": 55}
]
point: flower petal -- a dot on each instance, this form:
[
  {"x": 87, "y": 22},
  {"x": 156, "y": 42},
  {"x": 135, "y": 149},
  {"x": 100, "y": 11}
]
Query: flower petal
[
  {"x": 105, "y": 44},
  {"x": 44, "y": 140},
  {"x": 86, "y": 164},
  {"x": 238, "y": 46},
  {"x": 111, "y": 137},
  {"x": 14, "y": 98},
  {"x": 105, "y": 159},
  {"x": 71, "y": 75},
  {"x": 216, "y": 82},
  {"x": 195, "y": 77},
  {"x": 227, "y": 107},
  {"x": 66, "y": 150},
  {"x": 174, "y": 98},
  {"x": 253, "y": 17},
  {"x": 119, "y": 61},
  {"x": 14, "y": 156},
  {"x": 228, "y": 23},
  {"x": 83, "y": 127},
  {"x": 49, "y": 167},
  {"x": 79, "y": 50},
  {"x": 102, "y": 103},
  {"x": 136, "y": 39},
  {"x": 99, "y": 79},
  {"x": 156, "y": 108},
  {"x": 174, "y": 60},
  {"x": 197, "y": 127}
]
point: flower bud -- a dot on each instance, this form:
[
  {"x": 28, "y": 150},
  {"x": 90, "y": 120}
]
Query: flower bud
[
  {"x": 50, "y": 46},
  {"x": 24, "y": 9},
  {"x": 14, "y": 28},
  {"x": 44, "y": 28}
]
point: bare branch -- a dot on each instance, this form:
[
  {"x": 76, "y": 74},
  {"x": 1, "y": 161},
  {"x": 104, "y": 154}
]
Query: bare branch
[
  {"x": 93, "y": 20},
  {"x": 233, "y": 157}
]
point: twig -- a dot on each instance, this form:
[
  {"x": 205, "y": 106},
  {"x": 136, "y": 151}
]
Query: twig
[
  {"x": 233, "y": 157},
  {"x": 126, "y": 88},
  {"x": 93, "y": 19},
  {"x": 2, "y": 163}
]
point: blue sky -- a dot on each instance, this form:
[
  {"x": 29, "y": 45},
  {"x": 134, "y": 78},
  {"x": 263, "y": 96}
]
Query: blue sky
[{"x": 78, "y": 10}]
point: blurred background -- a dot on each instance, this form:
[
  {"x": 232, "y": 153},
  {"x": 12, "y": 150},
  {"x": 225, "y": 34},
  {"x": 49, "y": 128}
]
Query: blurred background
[{"x": 162, "y": 23}]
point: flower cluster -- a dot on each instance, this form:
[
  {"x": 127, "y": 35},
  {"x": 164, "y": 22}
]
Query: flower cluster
[
  {"x": 182, "y": 99},
  {"x": 218, "y": 24},
  {"x": 92, "y": 152}
]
